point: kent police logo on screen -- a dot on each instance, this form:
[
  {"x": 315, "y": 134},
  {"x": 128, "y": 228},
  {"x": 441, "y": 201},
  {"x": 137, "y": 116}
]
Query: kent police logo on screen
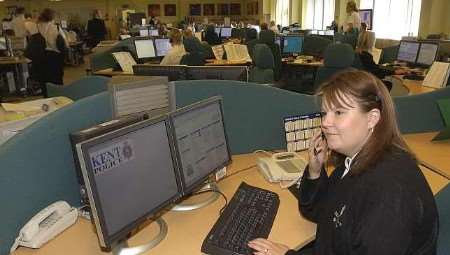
[{"x": 111, "y": 157}]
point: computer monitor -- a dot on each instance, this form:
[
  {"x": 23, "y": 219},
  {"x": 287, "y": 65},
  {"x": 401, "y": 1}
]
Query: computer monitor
[
  {"x": 407, "y": 51},
  {"x": 225, "y": 32},
  {"x": 3, "y": 45},
  {"x": 427, "y": 53},
  {"x": 217, "y": 30},
  {"x": 236, "y": 73},
  {"x": 162, "y": 46},
  {"x": 143, "y": 31},
  {"x": 293, "y": 44},
  {"x": 130, "y": 175},
  {"x": 144, "y": 48},
  {"x": 173, "y": 72},
  {"x": 153, "y": 32},
  {"x": 200, "y": 142},
  {"x": 136, "y": 95}
]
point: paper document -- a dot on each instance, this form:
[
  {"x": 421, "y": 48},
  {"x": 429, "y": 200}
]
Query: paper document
[
  {"x": 237, "y": 52},
  {"x": 437, "y": 76},
  {"x": 125, "y": 60},
  {"x": 376, "y": 54},
  {"x": 218, "y": 51}
]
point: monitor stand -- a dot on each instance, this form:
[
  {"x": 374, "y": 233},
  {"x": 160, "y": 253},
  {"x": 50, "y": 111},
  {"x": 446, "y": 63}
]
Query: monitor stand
[
  {"x": 210, "y": 186},
  {"x": 122, "y": 247}
]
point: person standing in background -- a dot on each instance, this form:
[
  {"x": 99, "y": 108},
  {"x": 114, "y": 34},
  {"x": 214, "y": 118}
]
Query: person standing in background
[
  {"x": 353, "y": 21},
  {"x": 274, "y": 27},
  {"x": 30, "y": 25},
  {"x": 18, "y": 23},
  {"x": 96, "y": 29}
]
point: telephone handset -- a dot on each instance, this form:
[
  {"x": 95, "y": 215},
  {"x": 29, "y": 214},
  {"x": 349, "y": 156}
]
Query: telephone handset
[
  {"x": 283, "y": 166},
  {"x": 45, "y": 225}
]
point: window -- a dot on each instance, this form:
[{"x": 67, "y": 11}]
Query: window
[
  {"x": 393, "y": 19},
  {"x": 319, "y": 14},
  {"x": 282, "y": 12}
]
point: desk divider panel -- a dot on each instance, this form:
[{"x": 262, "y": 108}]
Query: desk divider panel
[{"x": 38, "y": 167}]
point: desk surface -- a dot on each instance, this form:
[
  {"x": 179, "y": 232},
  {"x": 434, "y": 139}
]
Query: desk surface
[
  {"x": 414, "y": 87},
  {"x": 302, "y": 62},
  {"x": 436, "y": 154},
  {"x": 14, "y": 60},
  {"x": 110, "y": 72},
  {"x": 188, "y": 229}
]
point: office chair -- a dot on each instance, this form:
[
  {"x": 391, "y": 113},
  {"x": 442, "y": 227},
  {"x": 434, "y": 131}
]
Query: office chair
[
  {"x": 388, "y": 54},
  {"x": 315, "y": 45},
  {"x": 262, "y": 71},
  {"x": 252, "y": 40},
  {"x": 195, "y": 55},
  {"x": 443, "y": 206},
  {"x": 337, "y": 57},
  {"x": 268, "y": 37}
]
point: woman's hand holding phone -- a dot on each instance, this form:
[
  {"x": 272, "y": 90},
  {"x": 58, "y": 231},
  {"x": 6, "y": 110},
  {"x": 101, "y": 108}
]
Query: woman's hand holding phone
[{"x": 317, "y": 154}]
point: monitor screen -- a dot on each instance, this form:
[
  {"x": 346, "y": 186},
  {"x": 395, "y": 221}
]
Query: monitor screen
[
  {"x": 293, "y": 44},
  {"x": 407, "y": 51},
  {"x": 200, "y": 141},
  {"x": 130, "y": 175},
  {"x": 145, "y": 48},
  {"x": 225, "y": 32},
  {"x": 427, "y": 53},
  {"x": 143, "y": 31},
  {"x": 162, "y": 46},
  {"x": 3, "y": 45},
  {"x": 217, "y": 30},
  {"x": 153, "y": 32}
]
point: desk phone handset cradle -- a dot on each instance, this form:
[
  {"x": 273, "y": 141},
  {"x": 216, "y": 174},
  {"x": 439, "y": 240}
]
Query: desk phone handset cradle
[
  {"x": 283, "y": 166},
  {"x": 48, "y": 223}
]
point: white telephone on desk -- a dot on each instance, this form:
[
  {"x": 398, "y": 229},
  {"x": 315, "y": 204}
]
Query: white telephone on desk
[
  {"x": 283, "y": 166},
  {"x": 45, "y": 225}
]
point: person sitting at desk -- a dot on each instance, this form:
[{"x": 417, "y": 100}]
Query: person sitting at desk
[
  {"x": 173, "y": 57},
  {"x": 211, "y": 36},
  {"x": 194, "y": 54},
  {"x": 377, "y": 200},
  {"x": 363, "y": 43},
  {"x": 18, "y": 23}
]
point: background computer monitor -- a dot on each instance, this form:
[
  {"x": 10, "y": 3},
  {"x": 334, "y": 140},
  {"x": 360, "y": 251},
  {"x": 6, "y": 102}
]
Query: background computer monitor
[
  {"x": 293, "y": 44},
  {"x": 3, "y": 45},
  {"x": 143, "y": 31},
  {"x": 130, "y": 176},
  {"x": 225, "y": 32},
  {"x": 145, "y": 48},
  {"x": 162, "y": 46},
  {"x": 217, "y": 30},
  {"x": 427, "y": 53},
  {"x": 200, "y": 142},
  {"x": 153, "y": 32},
  {"x": 407, "y": 51}
]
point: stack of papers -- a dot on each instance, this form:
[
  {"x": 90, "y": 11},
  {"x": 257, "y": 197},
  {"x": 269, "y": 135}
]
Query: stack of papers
[
  {"x": 437, "y": 76},
  {"x": 237, "y": 53}
]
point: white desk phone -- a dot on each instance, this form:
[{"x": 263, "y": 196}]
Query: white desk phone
[
  {"x": 283, "y": 166},
  {"x": 45, "y": 225}
]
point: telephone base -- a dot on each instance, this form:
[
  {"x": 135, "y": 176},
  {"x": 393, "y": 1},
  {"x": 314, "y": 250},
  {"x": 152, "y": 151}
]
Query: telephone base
[
  {"x": 123, "y": 249},
  {"x": 212, "y": 186}
]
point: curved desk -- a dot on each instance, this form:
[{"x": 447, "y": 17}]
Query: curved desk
[
  {"x": 188, "y": 229},
  {"x": 408, "y": 87}
]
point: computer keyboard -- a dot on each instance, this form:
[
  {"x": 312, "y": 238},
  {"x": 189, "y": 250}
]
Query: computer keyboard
[{"x": 249, "y": 215}]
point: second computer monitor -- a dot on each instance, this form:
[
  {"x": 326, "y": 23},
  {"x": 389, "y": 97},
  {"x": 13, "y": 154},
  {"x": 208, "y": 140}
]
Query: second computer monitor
[
  {"x": 200, "y": 141},
  {"x": 144, "y": 48},
  {"x": 407, "y": 51},
  {"x": 162, "y": 46},
  {"x": 293, "y": 44},
  {"x": 225, "y": 32},
  {"x": 427, "y": 53}
]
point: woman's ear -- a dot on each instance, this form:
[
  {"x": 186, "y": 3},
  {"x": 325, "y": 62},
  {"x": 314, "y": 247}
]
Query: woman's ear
[{"x": 373, "y": 117}]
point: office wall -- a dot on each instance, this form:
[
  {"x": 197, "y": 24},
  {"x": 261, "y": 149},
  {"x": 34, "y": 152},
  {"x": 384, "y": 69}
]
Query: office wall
[{"x": 434, "y": 17}]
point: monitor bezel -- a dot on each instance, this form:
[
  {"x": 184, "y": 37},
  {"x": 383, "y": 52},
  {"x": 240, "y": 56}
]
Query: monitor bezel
[
  {"x": 435, "y": 54},
  {"x": 195, "y": 185},
  {"x": 293, "y": 35},
  {"x": 144, "y": 39},
  {"x": 108, "y": 240},
  {"x": 417, "y": 52}
]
